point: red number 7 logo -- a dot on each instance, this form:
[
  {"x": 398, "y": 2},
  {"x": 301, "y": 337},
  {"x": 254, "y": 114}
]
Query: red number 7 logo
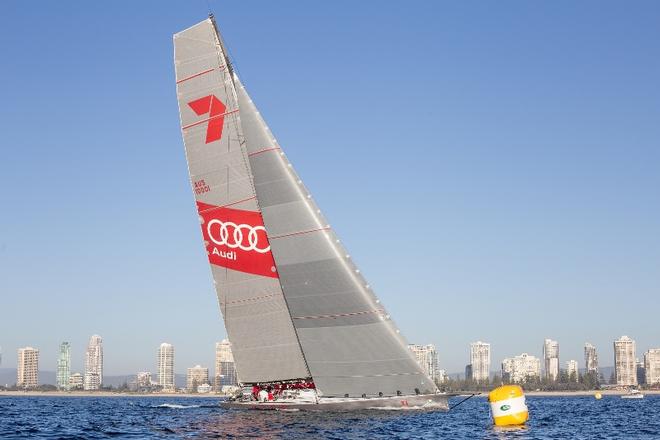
[{"x": 216, "y": 111}]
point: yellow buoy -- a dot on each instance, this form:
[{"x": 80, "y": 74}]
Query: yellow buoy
[
  {"x": 598, "y": 396},
  {"x": 507, "y": 403}
]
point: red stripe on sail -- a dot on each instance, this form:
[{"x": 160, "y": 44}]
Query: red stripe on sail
[{"x": 195, "y": 75}]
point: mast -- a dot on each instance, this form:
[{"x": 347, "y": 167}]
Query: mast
[
  {"x": 224, "y": 51},
  {"x": 234, "y": 78}
]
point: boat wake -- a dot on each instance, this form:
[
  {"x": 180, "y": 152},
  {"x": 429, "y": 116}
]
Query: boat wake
[
  {"x": 176, "y": 406},
  {"x": 405, "y": 408}
]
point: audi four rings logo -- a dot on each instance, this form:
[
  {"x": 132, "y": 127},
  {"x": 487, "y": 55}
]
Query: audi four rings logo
[{"x": 233, "y": 235}]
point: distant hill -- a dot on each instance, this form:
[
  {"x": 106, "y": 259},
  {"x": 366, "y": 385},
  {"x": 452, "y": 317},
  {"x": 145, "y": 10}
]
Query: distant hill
[{"x": 8, "y": 376}]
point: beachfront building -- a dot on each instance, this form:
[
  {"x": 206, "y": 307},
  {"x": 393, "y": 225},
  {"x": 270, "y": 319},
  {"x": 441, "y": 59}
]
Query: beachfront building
[
  {"x": 143, "y": 381},
  {"x": 196, "y": 376},
  {"x": 551, "y": 359},
  {"x": 519, "y": 369},
  {"x": 625, "y": 368},
  {"x": 76, "y": 381},
  {"x": 590, "y": 359},
  {"x": 204, "y": 388},
  {"x": 479, "y": 361},
  {"x": 27, "y": 373},
  {"x": 572, "y": 370},
  {"x": 94, "y": 364},
  {"x": 63, "y": 367},
  {"x": 652, "y": 366},
  {"x": 166, "y": 367},
  {"x": 427, "y": 357},
  {"x": 225, "y": 369}
]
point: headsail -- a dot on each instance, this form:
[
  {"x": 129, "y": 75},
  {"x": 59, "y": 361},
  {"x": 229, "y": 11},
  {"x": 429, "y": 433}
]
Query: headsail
[
  {"x": 249, "y": 292},
  {"x": 350, "y": 343}
]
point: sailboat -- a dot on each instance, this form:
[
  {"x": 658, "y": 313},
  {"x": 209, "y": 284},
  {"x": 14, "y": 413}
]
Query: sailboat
[{"x": 307, "y": 330}]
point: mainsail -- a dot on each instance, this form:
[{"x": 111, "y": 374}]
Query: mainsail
[
  {"x": 257, "y": 320},
  {"x": 294, "y": 303}
]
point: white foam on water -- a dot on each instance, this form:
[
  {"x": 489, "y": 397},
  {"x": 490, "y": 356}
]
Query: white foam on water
[{"x": 176, "y": 406}]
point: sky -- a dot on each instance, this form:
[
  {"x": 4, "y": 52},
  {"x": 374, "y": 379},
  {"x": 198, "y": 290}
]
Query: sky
[{"x": 493, "y": 168}]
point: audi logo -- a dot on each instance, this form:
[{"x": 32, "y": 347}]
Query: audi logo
[{"x": 235, "y": 239}]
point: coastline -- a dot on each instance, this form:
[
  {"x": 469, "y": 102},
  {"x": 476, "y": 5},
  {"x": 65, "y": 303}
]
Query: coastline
[
  {"x": 585, "y": 393},
  {"x": 604, "y": 393},
  {"x": 104, "y": 394},
  {"x": 589, "y": 393}
]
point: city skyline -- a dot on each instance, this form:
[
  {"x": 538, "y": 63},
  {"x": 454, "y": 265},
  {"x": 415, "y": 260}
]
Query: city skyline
[
  {"x": 533, "y": 148},
  {"x": 427, "y": 355}
]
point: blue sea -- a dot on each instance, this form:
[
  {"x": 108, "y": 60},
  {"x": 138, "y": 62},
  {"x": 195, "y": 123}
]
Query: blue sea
[{"x": 202, "y": 418}]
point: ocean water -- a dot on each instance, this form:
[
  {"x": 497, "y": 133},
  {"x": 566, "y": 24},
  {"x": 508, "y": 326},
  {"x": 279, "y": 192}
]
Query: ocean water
[{"x": 172, "y": 418}]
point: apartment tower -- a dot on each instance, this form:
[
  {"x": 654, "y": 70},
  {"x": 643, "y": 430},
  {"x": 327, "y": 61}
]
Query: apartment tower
[
  {"x": 196, "y": 376},
  {"x": 27, "y": 373},
  {"x": 225, "y": 369},
  {"x": 652, "y": 366},
  {"x": 64, "y": 367},
  {"x": 427, "y": 357},
  {"x": 551, "y": 359},
  {"x": 625, "y": 367},
  {"x": 479, "y": 361},
  {"x": 166, "y": 367},
  {"x": 590, "y": 359},
  {"x": 94, "y": 364}
]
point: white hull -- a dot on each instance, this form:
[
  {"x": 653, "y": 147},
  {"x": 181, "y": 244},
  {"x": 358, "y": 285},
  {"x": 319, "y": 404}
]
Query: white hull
[{"x": 437, "y": 402}]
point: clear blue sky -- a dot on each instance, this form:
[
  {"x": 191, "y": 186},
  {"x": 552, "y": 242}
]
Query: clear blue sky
[{"x": 493, "y": 167}]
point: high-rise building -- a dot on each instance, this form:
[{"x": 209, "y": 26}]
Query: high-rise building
[
  {"x": 479, "y": 361},
  {"x": 427, "y": 357},
  {"x": 624, "y": 361},
  {"x": 225, "y": 369},
  {"x": 27, "y": 373},
  {"x": 590, "y": 359},
  {"x": 196, "y": 376},
  {"x": 572, "y": 370},
  {"x": 63, "y": 366},
  {"x": 520, "y": 368},
  {"x": 551, "y": 359},
  {"x": 166, "y": 367},
  {"x": 652, "y": 366},
  {"x": 94, "y": 364}
]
